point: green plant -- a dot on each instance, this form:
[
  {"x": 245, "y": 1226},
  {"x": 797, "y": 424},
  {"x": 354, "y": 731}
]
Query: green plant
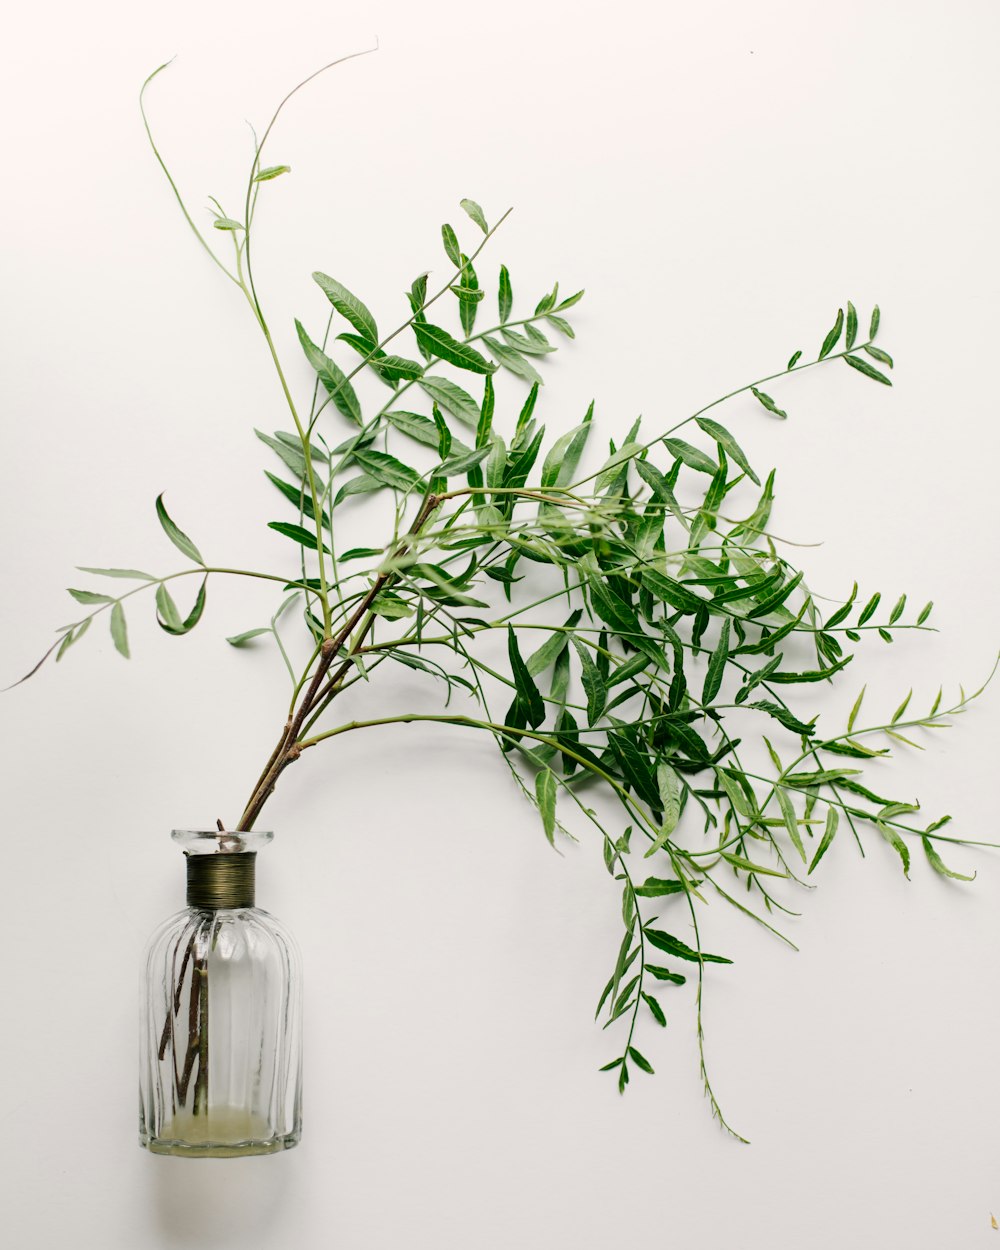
[{"x": 652, "y": 628}]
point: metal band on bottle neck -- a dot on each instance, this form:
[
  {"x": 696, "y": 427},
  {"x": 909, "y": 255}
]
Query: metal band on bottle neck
[{"x": 219, "y": 882}]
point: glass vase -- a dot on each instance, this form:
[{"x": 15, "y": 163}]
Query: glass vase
[{"x": 220, "y": 1014}]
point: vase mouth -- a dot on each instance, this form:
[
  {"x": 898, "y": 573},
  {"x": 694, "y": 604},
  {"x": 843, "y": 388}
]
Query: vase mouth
[{"x": 221, "y": 841}]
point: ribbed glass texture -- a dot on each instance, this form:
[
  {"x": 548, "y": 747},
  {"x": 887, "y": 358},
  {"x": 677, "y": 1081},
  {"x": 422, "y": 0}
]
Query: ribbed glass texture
[{"x": 220, "y": 1027}]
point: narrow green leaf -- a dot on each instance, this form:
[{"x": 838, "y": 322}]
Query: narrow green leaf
[
  {"x": 452, "y": 398},
  {"x": 868, "y": 611},
  {"x": 725, "y": 440},
  {"x": 831, "y": 339},
  {"x": 640, "y": 1060},
  {"x": 795, "y": 357},
  {"x": 272, "y": 171},
  {"x": 769, "y": 403},
  {"x": 868, "y": 370},
  {"x": 938, "y": 865},
  {"x": 332, "y": 376},
  {"x": 512, "y": 360},
  {"x": 656, "y": 1011},
  {"x": 593, "y": 683},
  {"x": 227, "y": 223},
  {"x": 119, "y": 632},
  {"x": 476, "y": 213},
  {"x": 924, "y": 613},
  {"x": 389, "y": 470},
  {"x": 876, "y": 317},
  {"x": 180, "y": 540},
  {"x": 878, "y": 354},
  {"x": 664, "y": 974},
  {"x": 693, "y": 457},
  {"x": 439, "y": 342},
  {"x": 674, "y": 946},
  {"x": 716, "y": 666},
  {"x": 545, "y": 796},
  {"x": 747, "y": 865},
  {"x": 527, "y": 691},
  {"x": 450, "y": 241},
  {"x": 897, "y": 610},
  {"x": 505, "y": 296},
  {"x": 897, "y": 844},
  {"x": 829, "y": 833},
  {"x": 791, "y": 823},
  {"x": 304, "y": 537},
  {"x": 136, "y": 575},
  {"x": 90, "y": 596},
  {"x": 852, "y": 325},
  {"x": 658, "y": 887},
  {"x": 241, "y": 640}
]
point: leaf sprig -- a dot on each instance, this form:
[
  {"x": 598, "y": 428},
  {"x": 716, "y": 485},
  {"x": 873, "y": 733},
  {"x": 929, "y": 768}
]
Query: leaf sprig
[{"x": 651, "y": 625}]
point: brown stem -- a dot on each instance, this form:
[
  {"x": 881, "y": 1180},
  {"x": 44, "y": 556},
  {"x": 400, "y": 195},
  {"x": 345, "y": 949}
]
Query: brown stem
[{"x": 287, "y": 751}]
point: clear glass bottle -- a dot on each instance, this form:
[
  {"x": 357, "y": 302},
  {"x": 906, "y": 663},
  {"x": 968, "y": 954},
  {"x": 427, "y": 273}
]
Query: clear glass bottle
[{"x": 221, "y": 1036}]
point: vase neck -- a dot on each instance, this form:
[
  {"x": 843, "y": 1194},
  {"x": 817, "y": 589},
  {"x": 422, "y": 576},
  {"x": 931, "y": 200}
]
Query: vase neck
[{"x": 221, "y": 882}]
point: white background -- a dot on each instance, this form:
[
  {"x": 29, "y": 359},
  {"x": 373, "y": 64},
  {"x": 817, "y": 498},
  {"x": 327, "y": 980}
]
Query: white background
[{"x": 720, "y": 177}]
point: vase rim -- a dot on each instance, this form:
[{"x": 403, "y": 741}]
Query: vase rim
[{"x": 221, "y": 841}]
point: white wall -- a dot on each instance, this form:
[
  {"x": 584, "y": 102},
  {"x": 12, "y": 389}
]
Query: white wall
[{"x": 720, "y": 177}]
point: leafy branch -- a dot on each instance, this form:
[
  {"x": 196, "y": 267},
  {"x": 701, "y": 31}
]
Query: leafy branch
[{"x": 652, "y": 622}]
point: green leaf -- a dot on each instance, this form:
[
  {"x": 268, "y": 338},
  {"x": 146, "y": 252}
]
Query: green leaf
[
  {"x": 452, "y": 399},
  {"x": 615, "y": 1063},
  {"x": 119, "y": 633},
  {"x": 716, "y": 666},
  {"x": 831, "y": 339},
  {"x": 924, "y": 612},
  {"x": 180, "y": 540},
  {"x": 389, "y": 470},
  {"x": 938, "y": 865},
  {"x": 527, "y": 692},
  {"x": 415, "y": 426},
  {"x": 348, "y": 305},
  {"x": 545, "y": 796},
  {"x": 241, "y": 640},
  {"x": 832, "y": 821},
  {"x": 868, "y": 611},
  {"x": 725, "y": 440},
  {"x": 868, "y": 370},
  {"x": 856, "y": 709},
  {"x": 391, "y": 607},
  {"x": 227, "y": 223},
  {"x": 450, "y": 240},
  {"x": 640, "y": 1060},
  {"x": 90, "y": 596},
  {"x": 769, "y": 404},
  {"x": 169, "y": 619},
  {"x": 363, "y": 484},
  {"x": 476, "y": 213},
  {"x": 438, "y": 342},
  {"x": 304, "y": 537},
  {"x": 784, "y": 717},
  {"x": 748, "y": 866},
  {"x": 332, "y": 376},
  {"x": 791, "y": 823},
  {"x": 794, "y": 360},
  {"x": 561, "y": 324},
  {"x": 897, "y": 844},
  {"x": 511, "y": 360},
  {"x": 664, "y": 974},
  {"x": 658, "y": 887},
  {"x": 593, "y": 683},
  {"x": 462, "y": 463},
  {"x": 852, "y": 325},
  {"x": 876, "y": 317},
  {"x": 136, "y": 575},
  {"x": 693, "y": 457},
  {"x": 822, "y": 674},
  {"x": 297, "y": 496},
  {"x": 668, "y": 789},
  {"x": 656, "y": 1011},
  {"x": 674, "y": 946},
  {"x": 878, "y": 354},
  {"x": 272, "y": 171},
  {"x": 505, "y": 296}
]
